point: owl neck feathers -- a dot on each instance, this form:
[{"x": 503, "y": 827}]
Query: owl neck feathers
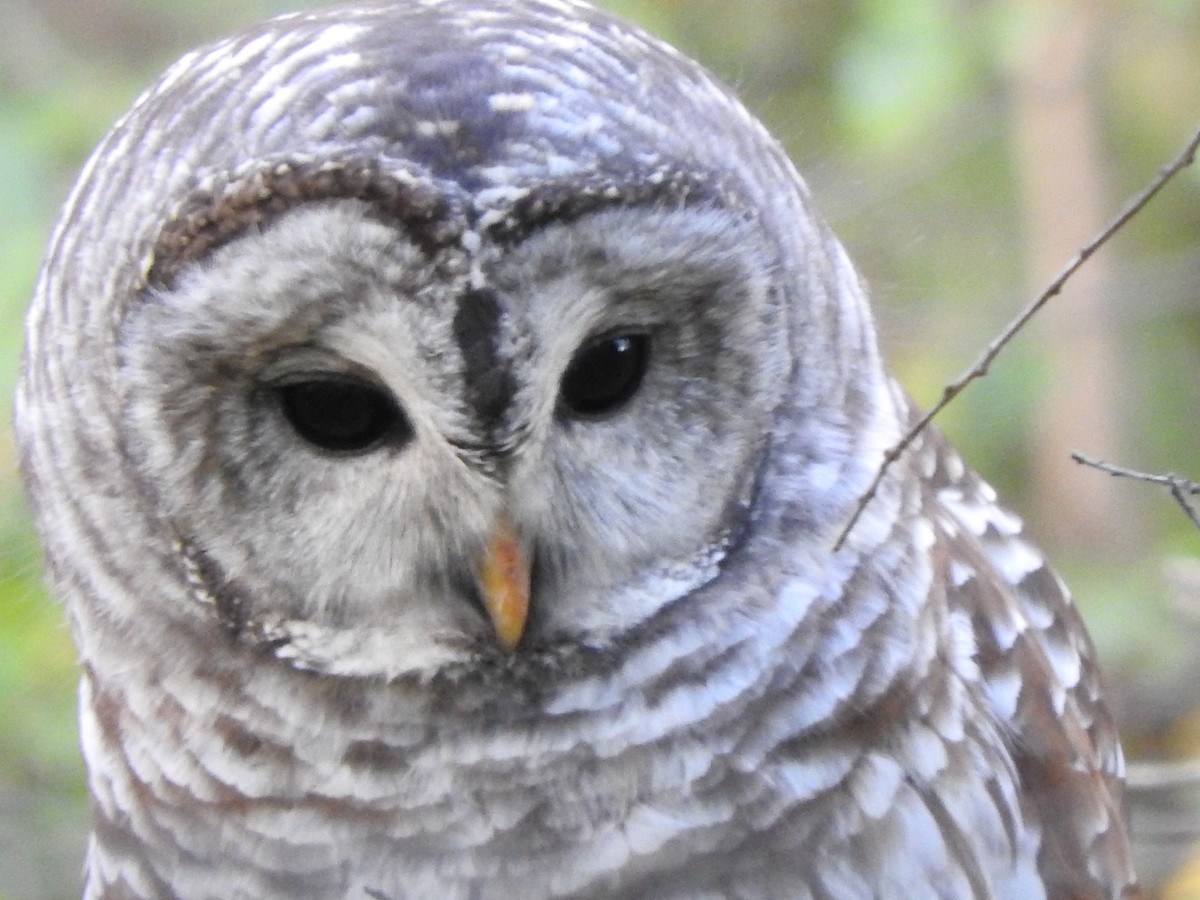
[{"x": 219, "y": 745}]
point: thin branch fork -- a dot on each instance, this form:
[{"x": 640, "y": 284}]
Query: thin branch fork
[
  {"x": 981, "y": 366},
  {"x": 1180, "y": 488}
]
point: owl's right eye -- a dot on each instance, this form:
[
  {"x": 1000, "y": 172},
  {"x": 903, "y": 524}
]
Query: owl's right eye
[{"x": 341, "y": 414}]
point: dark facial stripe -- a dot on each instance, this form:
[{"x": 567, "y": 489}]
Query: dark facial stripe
[{"x": 490, "y": 385}]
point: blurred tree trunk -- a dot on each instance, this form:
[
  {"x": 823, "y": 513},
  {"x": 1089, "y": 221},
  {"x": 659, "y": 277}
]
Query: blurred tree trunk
[{"x": 1065, "y": 200}]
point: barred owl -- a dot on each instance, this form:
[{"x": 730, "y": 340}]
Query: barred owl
[{"x": 438, "y": 417}]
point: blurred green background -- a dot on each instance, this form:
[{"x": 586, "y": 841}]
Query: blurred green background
[{"x": 962, "y": 149}]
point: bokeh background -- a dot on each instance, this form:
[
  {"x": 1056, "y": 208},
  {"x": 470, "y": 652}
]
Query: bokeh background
[{"x": 963, "y": 149}]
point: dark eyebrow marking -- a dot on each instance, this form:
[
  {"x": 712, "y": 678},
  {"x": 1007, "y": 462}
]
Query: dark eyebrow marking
[
  {"x": 210, "y": 218},
  {"x": 561, "y": 202}
]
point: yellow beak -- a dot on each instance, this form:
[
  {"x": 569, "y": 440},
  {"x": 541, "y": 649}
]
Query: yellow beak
[{"x": 504, "y": 582}]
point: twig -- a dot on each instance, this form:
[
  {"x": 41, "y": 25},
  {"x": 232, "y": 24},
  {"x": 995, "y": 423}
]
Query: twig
[
  {"x": 981, "y": 366},
  {"x": 1181, "y": 488}
]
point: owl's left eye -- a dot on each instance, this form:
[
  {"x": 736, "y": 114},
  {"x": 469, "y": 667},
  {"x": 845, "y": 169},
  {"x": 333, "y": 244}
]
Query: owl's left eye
[
  {"x": 605, "y": 374},
  {"x": 341, "y": 414}
]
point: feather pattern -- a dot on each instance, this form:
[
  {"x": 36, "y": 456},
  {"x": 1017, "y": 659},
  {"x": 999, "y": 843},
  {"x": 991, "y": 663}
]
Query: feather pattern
[{"x": 288, "y": 688}]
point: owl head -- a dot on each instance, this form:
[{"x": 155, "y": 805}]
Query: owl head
[{"x": 398, "y": 339}]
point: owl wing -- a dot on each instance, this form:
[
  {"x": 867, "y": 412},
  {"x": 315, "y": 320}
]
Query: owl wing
[{"x": 1039, "y": 674}]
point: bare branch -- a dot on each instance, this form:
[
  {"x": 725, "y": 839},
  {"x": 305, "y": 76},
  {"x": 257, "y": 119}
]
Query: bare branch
[
  {"x": 1181, "y": 488},
  {"x": 981, "y": 366}
]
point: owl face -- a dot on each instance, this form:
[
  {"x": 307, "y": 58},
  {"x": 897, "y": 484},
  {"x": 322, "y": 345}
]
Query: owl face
[
  {"x": 406, "y": 337},
  {"x": 339, "y": 423}
]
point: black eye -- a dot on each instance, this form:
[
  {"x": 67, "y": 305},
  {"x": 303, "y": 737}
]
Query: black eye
[
  {"x": 605, "y": 374},
  {"x": 342, "y": 414}
]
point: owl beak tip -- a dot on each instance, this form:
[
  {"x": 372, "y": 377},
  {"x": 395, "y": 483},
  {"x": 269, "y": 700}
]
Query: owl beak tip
[{"x": 504, "y": 583}]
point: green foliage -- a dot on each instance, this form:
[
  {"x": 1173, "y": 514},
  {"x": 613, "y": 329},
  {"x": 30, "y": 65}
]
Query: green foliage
[
  {"x": 904, "y": 66},
  {"x": 37, "y": 660}
]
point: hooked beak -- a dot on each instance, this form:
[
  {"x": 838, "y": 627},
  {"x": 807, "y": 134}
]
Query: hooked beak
[{"x": 503, "y": 580}]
